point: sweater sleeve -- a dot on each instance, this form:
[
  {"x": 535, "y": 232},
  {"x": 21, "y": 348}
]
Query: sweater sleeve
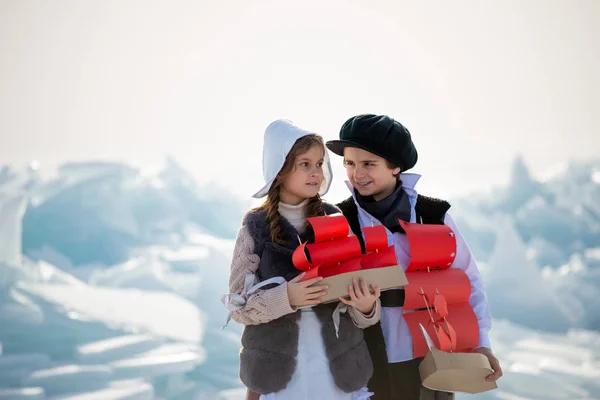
[
  {"x": 261, "y": 306},
  {"x": 366, "y": 320}
]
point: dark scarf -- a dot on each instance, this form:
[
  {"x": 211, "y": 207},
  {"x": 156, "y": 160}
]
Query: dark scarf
[{"x": 389, "y": 209}]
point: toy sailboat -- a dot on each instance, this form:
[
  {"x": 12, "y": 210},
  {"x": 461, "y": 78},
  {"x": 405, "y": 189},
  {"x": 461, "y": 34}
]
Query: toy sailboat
[
  {"x": 335, "y": 254},
  {"x": 436, "y": 308}
]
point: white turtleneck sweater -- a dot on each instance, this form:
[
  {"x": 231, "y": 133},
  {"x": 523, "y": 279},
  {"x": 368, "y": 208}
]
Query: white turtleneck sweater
[{"x": 294, "y": 214}]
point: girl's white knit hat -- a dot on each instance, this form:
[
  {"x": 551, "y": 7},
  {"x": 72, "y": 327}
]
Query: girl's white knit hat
[{"x": 280, "y": 137}]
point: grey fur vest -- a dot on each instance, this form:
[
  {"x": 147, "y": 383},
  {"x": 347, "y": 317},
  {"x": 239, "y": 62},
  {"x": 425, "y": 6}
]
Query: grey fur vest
[{"x": 268, "y": 356}]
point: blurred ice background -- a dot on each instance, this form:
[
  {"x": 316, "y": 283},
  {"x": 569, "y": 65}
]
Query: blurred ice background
[
  {"x": 113, "y": 256},
  {"x": 110, "y": 283}
]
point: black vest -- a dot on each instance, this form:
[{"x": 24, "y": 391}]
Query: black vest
[
  {"x": 268, "y": 356},
  {"x": 428, "y": 211}
]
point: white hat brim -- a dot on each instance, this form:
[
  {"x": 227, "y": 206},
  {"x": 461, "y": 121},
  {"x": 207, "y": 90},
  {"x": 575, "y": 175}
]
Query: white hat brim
[
  {"x": 265, "y": 189},
  {"x": 280, "y": 137}
]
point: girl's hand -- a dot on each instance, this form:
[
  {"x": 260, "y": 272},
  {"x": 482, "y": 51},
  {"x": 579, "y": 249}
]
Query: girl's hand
[
  {"x": 361, "y": 297},
  {"x": 300, "y": 294}
]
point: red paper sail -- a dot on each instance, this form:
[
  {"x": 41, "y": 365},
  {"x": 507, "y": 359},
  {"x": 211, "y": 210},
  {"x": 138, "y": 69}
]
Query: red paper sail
[
  {"x": 312, "y": 273},
  {"x": 445, "y": 335},
  {"x": 329, "y": 227},
  {"x": 375, "y": 238},
  {"x": 331, "y": 270},
  {"x": 300, "y": 258},
  {"x": 334, "y": 252},
  {"x": 431, "y": 245},
  {"x": 383, "y": 258},
  {"x": 329, "y": 252},
  {"x": 348, "y": 266},
  {"x": 453, "y": 283},
  {"x": 463, "y": 327}
]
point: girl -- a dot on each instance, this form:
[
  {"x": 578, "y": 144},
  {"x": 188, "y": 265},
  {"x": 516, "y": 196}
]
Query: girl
[{"x": 289, "y": 345}]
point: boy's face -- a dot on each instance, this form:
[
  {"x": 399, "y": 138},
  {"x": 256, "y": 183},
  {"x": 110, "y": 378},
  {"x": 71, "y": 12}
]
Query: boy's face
[{"x": 369, "y": 173}]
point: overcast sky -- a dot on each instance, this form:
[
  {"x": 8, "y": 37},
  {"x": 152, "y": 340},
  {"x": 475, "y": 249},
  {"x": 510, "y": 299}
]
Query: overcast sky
[{"x": 476, "y": 82}]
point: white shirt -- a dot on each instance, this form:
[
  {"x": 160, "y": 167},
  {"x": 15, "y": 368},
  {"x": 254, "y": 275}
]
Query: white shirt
[{"x": 398, "y": 340}]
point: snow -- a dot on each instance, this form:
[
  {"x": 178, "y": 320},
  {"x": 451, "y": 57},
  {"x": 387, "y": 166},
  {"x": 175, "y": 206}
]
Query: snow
[
  {"x": 114, "y": 291},
  {"x": 156, "y": 365},
  {"x": 539, "y": 365},
  {"x": 117, "y": 347},
  {"x": 515, "y": 286},
  {"x": 12, "y": 209},
  {"x": 160, "y": 313},
  {"x": 544, "y": 253},
  {"x": 138, "y": 391},
  {"x": 35, "y": 393},
  {"x": 23, "y": 361},
  {"x": 69, "y": 378}
]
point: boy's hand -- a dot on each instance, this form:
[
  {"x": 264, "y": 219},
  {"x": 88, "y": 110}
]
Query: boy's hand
[
  {"x": 361, "y": 297},
  {"x": 493, "y": 362},
  {"x": 300, "y": 294}
]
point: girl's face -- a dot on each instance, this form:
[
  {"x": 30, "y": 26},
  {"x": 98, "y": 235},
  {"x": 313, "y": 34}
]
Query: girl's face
[
  {"x": 305, "y": 178},
  {"x": 369, "y": 173}
]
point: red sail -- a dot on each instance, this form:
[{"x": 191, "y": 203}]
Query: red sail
[
  {"x": 431, "y": 245},
  {"x": 453, "y": 283},
  {"x": 300, "y": 258},
  {"x": 334, "y": 251},
  {"x": 383, "y": 258},
  {"x": 464, "y": 328},
  {"x": 375, "y": 238},
  {"x": 330, "y": 252},
  {"x": 348, "y": 266},
  {"x": 312, "y": 273},
  {"x": 329, "y": 227},
  {"x": 325, "y": 271}
]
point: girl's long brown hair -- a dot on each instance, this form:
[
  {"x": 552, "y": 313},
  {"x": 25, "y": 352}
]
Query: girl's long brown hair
[{"x": 271, "y": 204}]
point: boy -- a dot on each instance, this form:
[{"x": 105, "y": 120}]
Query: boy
[{"x": 377, "y": 151}]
